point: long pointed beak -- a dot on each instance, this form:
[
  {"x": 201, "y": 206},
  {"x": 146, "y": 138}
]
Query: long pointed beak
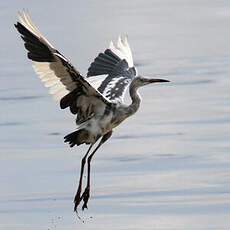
[{"x": 153, "y": 80}]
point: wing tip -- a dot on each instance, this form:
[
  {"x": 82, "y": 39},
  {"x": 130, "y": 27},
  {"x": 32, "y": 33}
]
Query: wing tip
[
  {"x": 26, "y": 21},
  {"x": 122, "y": 49}
]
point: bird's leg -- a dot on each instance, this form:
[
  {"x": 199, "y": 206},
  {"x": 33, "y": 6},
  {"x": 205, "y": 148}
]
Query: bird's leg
[
  {"x": 86, "y": 194},
  {"x": 78, "y": 198}
]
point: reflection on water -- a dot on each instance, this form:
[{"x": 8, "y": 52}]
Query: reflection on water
[
  {"x": 18, "y": 98},
  {"x": 168, "y": 166},
  {"x": 11, "y": 123}
]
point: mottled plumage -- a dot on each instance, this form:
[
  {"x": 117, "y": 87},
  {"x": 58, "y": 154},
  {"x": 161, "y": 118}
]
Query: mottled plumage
[
  {"x": 97, "y": 100},
  {"x": 119, "y": 72}
]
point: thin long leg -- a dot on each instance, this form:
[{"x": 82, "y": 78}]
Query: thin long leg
[
  {"x": 86, "y": 194},
  {"x": 78, "y": 198}
]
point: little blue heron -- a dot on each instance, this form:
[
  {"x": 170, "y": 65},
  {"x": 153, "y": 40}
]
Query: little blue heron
[{"x": 96, "y": 99}]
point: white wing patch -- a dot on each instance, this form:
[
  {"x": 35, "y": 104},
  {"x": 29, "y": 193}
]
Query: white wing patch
[
  {"x": 113, "y": 86},
  {"x": 122, "y": 50},
  {"x": 53, "y": 74},
  {"x": 27, "y": 22},
  {"x": 50, "y": 79},
  {"x": 96, "y": 81}
]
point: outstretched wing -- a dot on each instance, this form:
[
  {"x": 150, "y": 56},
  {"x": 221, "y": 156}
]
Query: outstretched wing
[
  {"x": 115, "y": 68},
  {"x": 59, "y": 75}
]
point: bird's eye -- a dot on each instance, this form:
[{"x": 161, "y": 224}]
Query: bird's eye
[{"x": 142, "y": 80}]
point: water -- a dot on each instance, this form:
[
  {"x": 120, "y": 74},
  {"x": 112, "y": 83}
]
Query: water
[{"x": 165, "y": 168}]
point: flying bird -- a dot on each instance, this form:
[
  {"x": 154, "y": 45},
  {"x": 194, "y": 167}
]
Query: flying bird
[{"x": 97, "y": 100}]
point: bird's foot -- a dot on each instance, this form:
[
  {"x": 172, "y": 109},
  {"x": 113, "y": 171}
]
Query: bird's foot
[
  {"x": 85, "y": 196},
  {"x": 77, "y": 199}
]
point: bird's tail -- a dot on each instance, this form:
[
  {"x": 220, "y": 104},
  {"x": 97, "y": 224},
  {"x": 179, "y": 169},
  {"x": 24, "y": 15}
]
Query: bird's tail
[{"x": 78, "y": 137}]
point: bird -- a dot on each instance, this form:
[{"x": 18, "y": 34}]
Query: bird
[{"x": 97, "y": 100}]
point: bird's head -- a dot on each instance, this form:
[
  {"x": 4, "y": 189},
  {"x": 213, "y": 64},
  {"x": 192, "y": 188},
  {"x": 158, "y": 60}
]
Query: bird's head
[{"x": 141, "y": 81}]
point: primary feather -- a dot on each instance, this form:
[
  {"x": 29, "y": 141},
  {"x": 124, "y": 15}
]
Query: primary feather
[
  {"x": 116, "y": 63},
  {"x": 57, "y": 73}
]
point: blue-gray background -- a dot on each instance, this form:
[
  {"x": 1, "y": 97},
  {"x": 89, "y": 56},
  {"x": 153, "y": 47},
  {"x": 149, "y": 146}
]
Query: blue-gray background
[{"x": 165, "y": 168}]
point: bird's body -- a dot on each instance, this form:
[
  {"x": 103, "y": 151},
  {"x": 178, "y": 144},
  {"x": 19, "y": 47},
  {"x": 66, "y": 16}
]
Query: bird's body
[
  {"x": 110, "y": 117},
  {"x": 97, "y": 100}
]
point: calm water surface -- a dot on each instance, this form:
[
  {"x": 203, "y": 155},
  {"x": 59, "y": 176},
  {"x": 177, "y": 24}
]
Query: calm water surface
[{"x": 167, "y": 167}]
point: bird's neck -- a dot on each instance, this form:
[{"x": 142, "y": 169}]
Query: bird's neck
[{"x": 136, "y": 100}]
